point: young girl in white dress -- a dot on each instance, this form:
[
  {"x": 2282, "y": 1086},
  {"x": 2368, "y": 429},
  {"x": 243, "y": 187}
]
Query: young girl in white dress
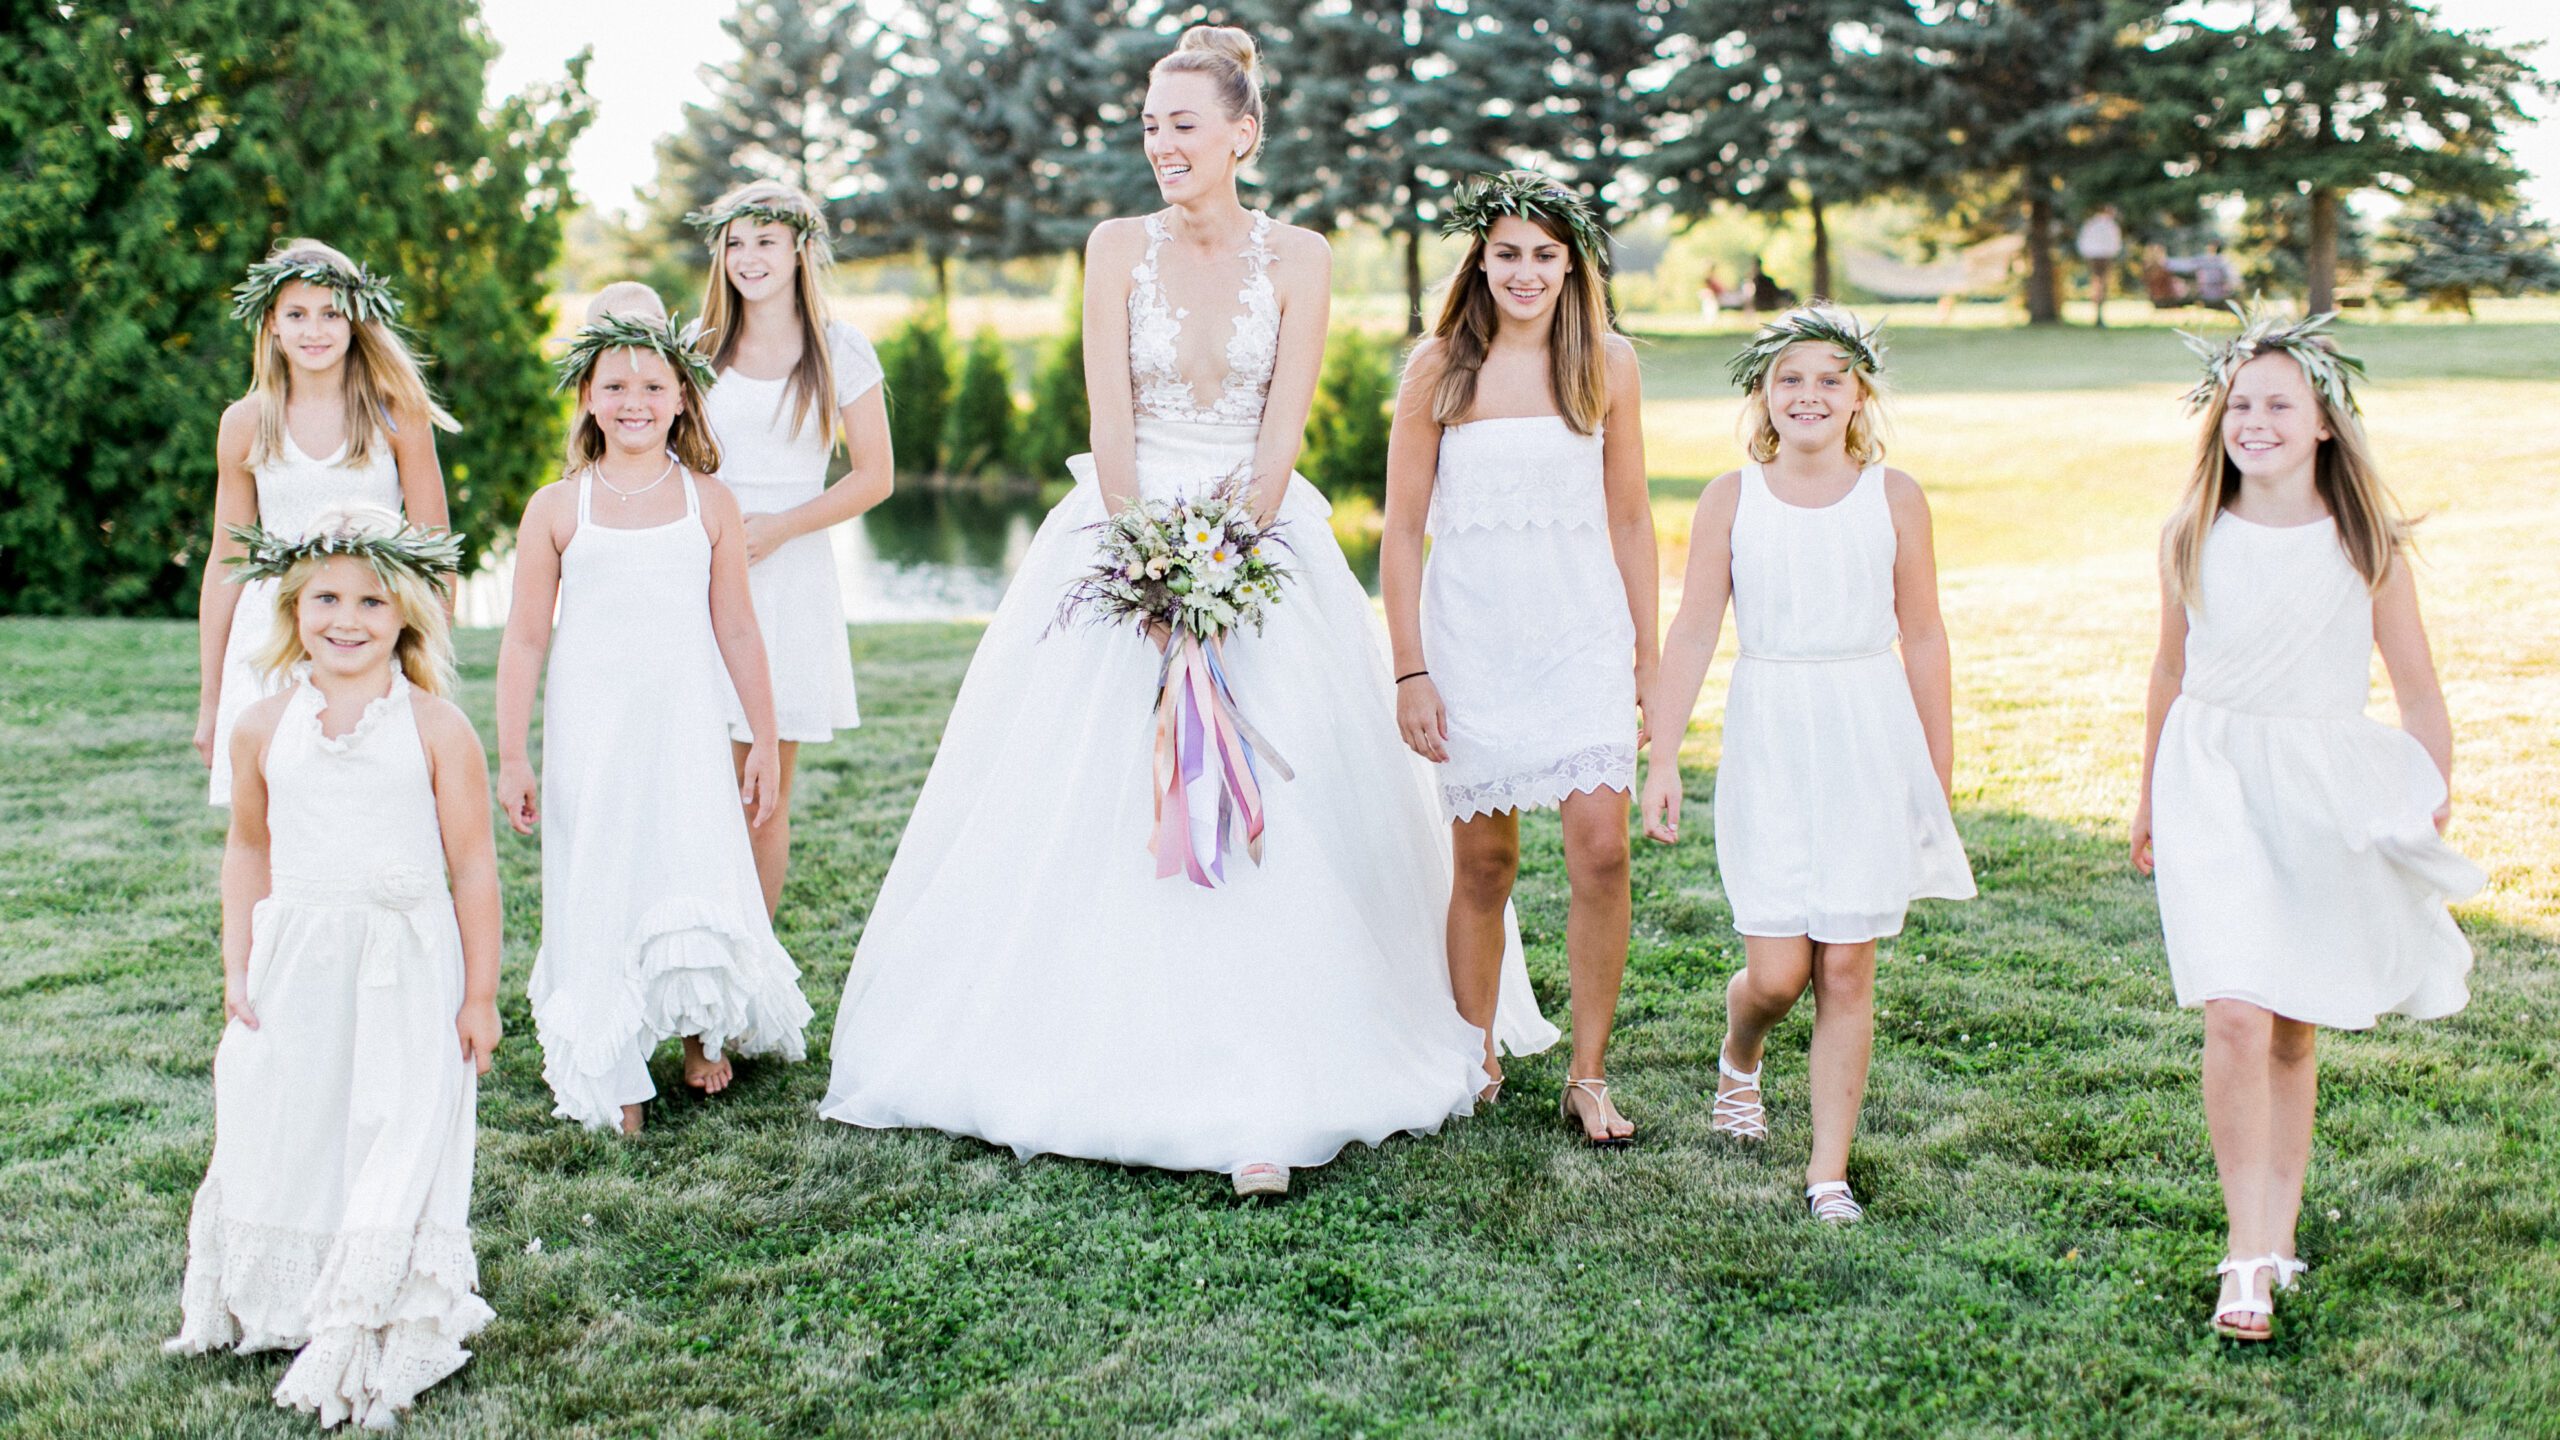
[
  {"x": 653, "y": 923},
  {"x": 2302, "y": 877},
  {"x": 337, "y": 414},
  {"x": 1521, "y": 650},
  {"x": 359, "y": 985},
  {"x": 792, "y": 383},
  {"x": 1831, "y": 803}
]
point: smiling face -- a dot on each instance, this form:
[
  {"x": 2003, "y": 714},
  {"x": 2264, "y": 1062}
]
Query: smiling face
[
  {"x": 1525, "y": 268},
  {"x": 761, "y": 257},
  {"x": 348, "y": 621},
  {"x": 1193, "y": 144},
  {"x": 634, "y": 398},
  {"x": 1813, "y": 394},
  {"x": 2271, "y": 421},
  {"x": 309, "y": 327}
]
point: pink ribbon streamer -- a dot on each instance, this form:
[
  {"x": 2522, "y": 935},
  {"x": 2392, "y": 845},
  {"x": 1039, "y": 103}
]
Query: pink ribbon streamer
[{"x": 1199, "y": 732}]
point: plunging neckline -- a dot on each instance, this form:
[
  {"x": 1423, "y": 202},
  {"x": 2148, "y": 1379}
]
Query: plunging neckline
[{"x": 1162, "y": 387}]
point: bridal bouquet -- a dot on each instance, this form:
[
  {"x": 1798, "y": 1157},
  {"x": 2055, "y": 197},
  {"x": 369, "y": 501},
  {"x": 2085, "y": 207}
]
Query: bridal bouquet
[{"x": 1200, "y": 568}]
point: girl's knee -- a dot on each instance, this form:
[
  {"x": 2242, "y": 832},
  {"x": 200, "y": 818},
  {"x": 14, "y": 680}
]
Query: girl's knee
[
  {"x": 2289, "y": 1042},
  {"x": 2238, "y": 1023},
  {"x": 1485, "y": 872},
  {"x": 1596, "y": 857}
]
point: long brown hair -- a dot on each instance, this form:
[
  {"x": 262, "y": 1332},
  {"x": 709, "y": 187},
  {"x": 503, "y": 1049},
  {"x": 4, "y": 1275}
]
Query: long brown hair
[
  {"x": 1577, "y": 355},
  {"x": 383, "y": 381},
  {"x": 813, "y": 377},
  {"x": 2370, "y": 525}
]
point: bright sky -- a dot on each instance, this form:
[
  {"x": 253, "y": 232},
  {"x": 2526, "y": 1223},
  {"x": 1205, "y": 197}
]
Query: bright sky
[{"x": 648, "y": 54}]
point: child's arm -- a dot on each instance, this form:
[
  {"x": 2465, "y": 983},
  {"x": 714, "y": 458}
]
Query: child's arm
[
  {"x": 1413, "y": 465},
  {"x": 2402, "y": 638},
  {"x": 733, "y": 624},
  {"x": 1688, "y": 647},
  {"x": 235, "y": 502},
  {"x": 864, "y": 427},
  {"x": 2168, "y": 675},
  {"x": 1631, "y": 512},
  {"x": 459, "y": 770},
  {"x": 246, "y": 877},
  {"x": 528, "y": 639},
  {"x": 1925, "y": 664},
  {"x": 413, "y": 451}
]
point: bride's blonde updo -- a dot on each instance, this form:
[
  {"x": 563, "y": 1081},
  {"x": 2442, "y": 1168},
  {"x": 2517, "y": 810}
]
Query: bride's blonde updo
[{"x": 1227, "y": 56}]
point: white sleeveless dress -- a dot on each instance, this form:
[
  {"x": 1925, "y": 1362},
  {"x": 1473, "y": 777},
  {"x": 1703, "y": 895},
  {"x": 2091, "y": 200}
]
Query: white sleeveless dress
[
  {"x": 1829, "y": 819},
  {"x": 1025, "y": 978},
  {"x": 2298, "y": 861},
  {"x": 1525, "y": 626},
  {"x": 335, "y": 1216},
  {"x": 653, "y": 922},
  {"x": 292, "y": 489},
  {"x": 799, "y": 600}
]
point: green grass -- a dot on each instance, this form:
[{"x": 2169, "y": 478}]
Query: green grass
[{"x": 2034, "y": 1153}]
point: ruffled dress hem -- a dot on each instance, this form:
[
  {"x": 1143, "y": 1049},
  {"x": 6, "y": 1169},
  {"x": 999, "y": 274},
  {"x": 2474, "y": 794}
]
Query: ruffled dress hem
[{"x": 1609, "y": 766}]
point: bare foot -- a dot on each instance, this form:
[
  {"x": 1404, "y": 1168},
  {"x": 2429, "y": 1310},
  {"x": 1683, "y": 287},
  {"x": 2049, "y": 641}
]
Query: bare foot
[
  {"x": 702, "y": 1073},
  {"x": 630, "y": 1119}
]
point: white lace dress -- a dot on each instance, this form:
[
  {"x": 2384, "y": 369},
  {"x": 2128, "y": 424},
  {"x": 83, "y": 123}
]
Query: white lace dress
[
  {"x": 799, "y": 601},
  {"x": 292, "y": 488},
  {"x": 334, "y": 1217},
  {"x": 1025, "y": 978},
  {"x": 653, "y": 923},
  {"x": 1525, "y": 626}
]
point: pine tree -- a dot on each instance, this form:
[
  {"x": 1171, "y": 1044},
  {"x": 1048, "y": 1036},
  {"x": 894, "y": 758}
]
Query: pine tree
[
  {"x": 977, "y": 435},
  {"x": 916, "y": 368},
  {"x": 1061, "y": 420},
  {"x": 1347, "y": 426},
  {"x": 2456, "y": 251}
]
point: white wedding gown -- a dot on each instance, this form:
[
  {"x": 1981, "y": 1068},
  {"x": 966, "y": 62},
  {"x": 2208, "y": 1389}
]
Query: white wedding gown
[{"x": 1025, "y": 978}]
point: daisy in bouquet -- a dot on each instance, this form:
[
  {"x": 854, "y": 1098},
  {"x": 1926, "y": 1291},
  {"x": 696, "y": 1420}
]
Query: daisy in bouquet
[{"x": 1191, "y": 571}]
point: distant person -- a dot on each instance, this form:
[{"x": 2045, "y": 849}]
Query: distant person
[
  {"x": 1714, "y": 297},
  {"x": 2217, "y": 279},
  {"x": 1766, "y": 293},
  {"x": 2100, "y": 243},
  {"x": 2160, "y": 282}
]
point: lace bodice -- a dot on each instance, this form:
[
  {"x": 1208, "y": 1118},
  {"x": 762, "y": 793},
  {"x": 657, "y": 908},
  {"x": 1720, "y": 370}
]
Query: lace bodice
[
  {"x": 1156, "y": 381},
  {"x": 1518, "y": 472}
]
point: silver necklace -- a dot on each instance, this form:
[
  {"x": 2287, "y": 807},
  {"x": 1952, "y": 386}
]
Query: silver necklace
[{"x": 621, "y": 494}]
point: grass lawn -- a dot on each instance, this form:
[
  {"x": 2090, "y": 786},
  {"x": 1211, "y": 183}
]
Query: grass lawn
[{"x": 2034, "y": 1153}]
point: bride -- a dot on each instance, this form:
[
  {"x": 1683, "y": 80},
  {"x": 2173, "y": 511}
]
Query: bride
[{"x": 1024, "y": 977}]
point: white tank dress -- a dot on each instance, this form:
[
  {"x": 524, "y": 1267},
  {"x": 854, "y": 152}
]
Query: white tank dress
[
  {"x": 1829, "y": 819},
  {"x": 799, "y": 600},
  {"x": 653, "y": 921},
  {"x": 1525, "y": 626},
  {"x": 335, "y": 1216},
  {"x": 292, "y": 489},
  {"x": 2293, "y": 836}
]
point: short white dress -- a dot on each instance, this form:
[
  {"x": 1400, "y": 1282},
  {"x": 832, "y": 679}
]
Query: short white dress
[
  {"x": 653, "y": 922},
  {"x": 799, "y": 600},
  {"x": 2293, "y": 835},
  {"x": 335, "y": 1216},
  {"x": 293, "y": 488},
  {"x": 1525, "y": 625},
  {"x": 1829, "y": 819}
]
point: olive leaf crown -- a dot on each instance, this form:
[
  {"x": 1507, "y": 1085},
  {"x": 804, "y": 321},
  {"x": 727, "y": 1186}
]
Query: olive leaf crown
[
  {"x": 2263, "y": 331},
  {"x": 365, "y": 296},
  {"x": 629, "y": 332},
  {"x": 1473, "y": 209},
  {"x": 1861, "y": 345},
  {"x": 713, "y": 222},
  {"x": 413, "y": 549}
]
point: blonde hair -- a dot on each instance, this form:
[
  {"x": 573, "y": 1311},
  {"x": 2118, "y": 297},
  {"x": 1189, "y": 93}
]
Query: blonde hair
[
  {"x": 1577, "y": 352},
  {"x": 1865, "y": 439},
  {"x": 1228, "y": 57},
  {"x": 689, "y": 437},
  {"x": 813, "y": 378},
  {"x": 424, "y": 650},
  {"x": 383, "y": 381},
  {"x": 2370, "y": 526}
]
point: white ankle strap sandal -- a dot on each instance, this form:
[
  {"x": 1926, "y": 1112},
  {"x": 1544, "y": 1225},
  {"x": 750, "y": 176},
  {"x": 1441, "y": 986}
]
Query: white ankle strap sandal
[
  {"x": 1734, "y": 1116},
  {"x": 1831, "y": 1202}
]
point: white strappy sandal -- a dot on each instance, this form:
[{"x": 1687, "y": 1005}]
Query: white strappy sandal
[
  {"x": 1831, "y": 1203},
  {"x": 2253, "y": 1300},
  {"x": 1734, "y": 1117},
  {"x": 2289, "y": 1272},
  {"x": 1598, "y": 1089},
  {"x": 1262, "y": 1178}
]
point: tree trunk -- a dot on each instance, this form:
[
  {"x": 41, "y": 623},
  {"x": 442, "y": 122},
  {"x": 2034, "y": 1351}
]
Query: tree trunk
[
  {"x": 2044, "y": 289},
  {"x": 1821, "y": 253},
  {"x": 942, "y": 279},
  {"x": 1413, "y": 283},
  {"x": 2322, "y": 261}
]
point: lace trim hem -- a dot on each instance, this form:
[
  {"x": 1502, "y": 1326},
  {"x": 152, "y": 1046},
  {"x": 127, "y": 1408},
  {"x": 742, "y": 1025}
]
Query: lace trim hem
[{"x": 1610, "y": 766}]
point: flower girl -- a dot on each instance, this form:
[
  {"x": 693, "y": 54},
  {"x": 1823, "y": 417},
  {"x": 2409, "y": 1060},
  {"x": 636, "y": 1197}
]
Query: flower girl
[
  {"x": 1831, "y": 799},
  {"x": 337, "y": 413},
  {"x": 792, "y": 382},
  {"x": 653, "y": 924},
  {"x": 359, "y": 991},
  {"x": 2302, "y": 877},
  {"x": 1521, "y": 649}
]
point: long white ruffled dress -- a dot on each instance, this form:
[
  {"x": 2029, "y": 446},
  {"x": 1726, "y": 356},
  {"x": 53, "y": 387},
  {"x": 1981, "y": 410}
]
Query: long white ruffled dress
[
  {"x": 335, "y": 1216},
  {"x": 1525, "y": 625},
  {"x": 653, "y": 923},
  {"x": 1025, "y": 978},
  {"x": 2295, "y": 846},
  {"x": 292, "y": 489},
  {"x": 1829, "y": 819}
]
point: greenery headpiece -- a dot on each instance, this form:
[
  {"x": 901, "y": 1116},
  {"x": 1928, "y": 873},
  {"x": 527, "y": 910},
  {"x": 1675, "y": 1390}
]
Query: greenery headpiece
[
  {"x": 1473, "y": 209},
  {"x": 629, "y": 332},
  {"x": 363, "y": 295},
  {"x": 713, "y": 222},
  {"x": 2262, "y": 331},
  {"x": 1861, "y": 345},
  {"x": 378, "y": 538}
]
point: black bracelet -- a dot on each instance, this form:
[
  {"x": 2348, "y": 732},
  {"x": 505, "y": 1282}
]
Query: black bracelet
[{"x": 1416, "y": 675}]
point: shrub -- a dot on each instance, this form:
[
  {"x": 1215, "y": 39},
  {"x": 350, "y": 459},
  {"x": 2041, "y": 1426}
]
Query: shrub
[
  {"x": 978, "y": 435},
  {"x": 2458, "y": 250},
  {"x": 916, "y": 363},
  {"x": 1061, "y": 421},
  {"x": 1346, "y": 451}
]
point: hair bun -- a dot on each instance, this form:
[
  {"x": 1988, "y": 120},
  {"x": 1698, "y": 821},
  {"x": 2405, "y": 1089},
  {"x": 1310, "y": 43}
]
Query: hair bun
[{"x": 1223, "y": 40}]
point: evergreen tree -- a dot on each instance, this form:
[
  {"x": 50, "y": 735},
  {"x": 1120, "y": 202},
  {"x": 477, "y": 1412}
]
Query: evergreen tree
[
  {"x": 2274, "y": 238},
  {"x": 1347, "y": 426},
  {"x": 148, "y": 155},
  {"x": 916, "y": 366},
  {"x": 2455, "y": 251},
  {"x": 977, "y": 435},
  {"x": 1061, "y": 420}
]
